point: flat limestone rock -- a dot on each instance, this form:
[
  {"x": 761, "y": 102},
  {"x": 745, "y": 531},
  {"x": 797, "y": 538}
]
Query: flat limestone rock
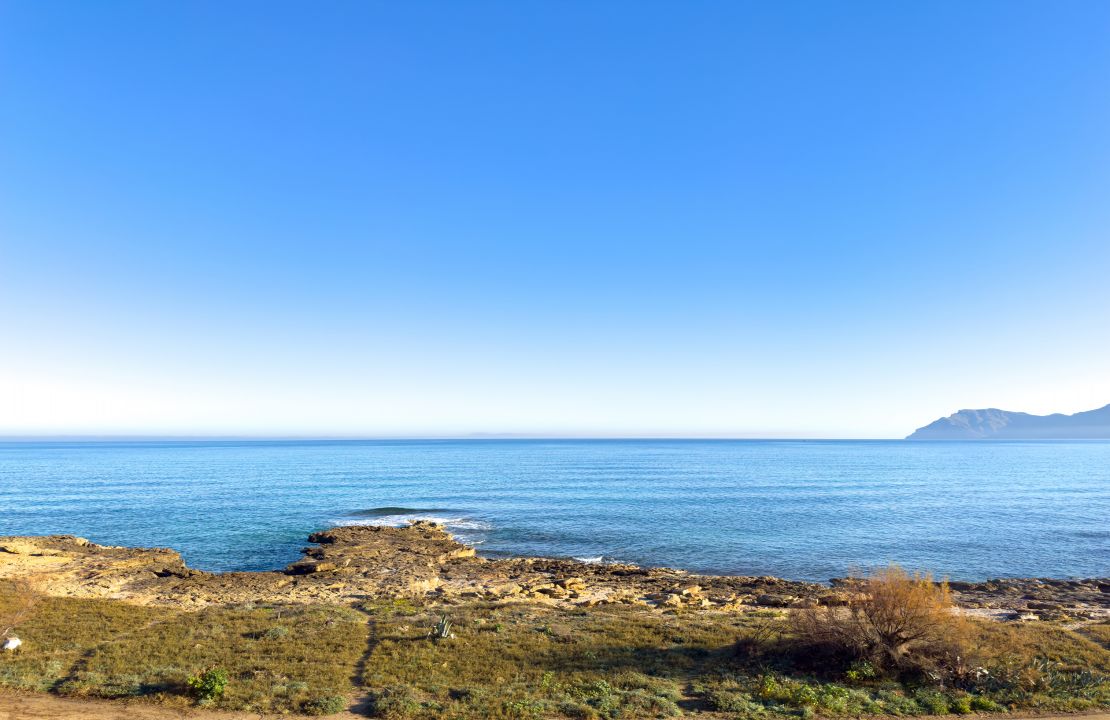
[{"x": 355, "y": 563}]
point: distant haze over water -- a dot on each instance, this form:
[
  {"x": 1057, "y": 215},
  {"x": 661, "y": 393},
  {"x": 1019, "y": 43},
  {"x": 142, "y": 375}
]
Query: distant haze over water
[{"x": 798, "y": 509}]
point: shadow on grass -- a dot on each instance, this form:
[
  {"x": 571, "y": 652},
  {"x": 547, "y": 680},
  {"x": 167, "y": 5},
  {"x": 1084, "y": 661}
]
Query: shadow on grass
[{"x": 364, "y": 704}]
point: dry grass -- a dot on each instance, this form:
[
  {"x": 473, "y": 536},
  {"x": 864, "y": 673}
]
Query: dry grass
[
  {"x": 21, "y": 601},
  {"x": 60, "y": 632},
  {"x": 1023, "y": 643},
  {"x": 525, "y": 661},
  {"x": 522, "y": 660},
  {"x": 278, "y": 658},
  {"x": 1100, "y": 633}
]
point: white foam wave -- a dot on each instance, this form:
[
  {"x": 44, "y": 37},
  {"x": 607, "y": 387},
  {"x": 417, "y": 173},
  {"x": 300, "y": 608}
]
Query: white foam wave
[
  {"x": 591, "y": 560},
  {"x": 451, "y": 523}
]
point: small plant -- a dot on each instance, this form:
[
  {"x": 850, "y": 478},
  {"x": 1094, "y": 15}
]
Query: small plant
[
  {"x": 895, "y": 702},
  {"x": 442, "y": 629},
  {"x": 833, "y": 697},
  {"x": 275, "y": 633},
  {"x": 734, "y": 701},
  {"x": 548, "y": 683},
  {"x": 769, "y": 688},
  {"x": 644, "y": 704},
  {"x": 984, "y": 704},
  {"x": 328, "y": 705},
  {"x": 523, "y": 709},
  {"x": 934, "y": 702},
  {"x": 209, "y": 685},
  {"x": 961, "y": 705},
  {"x": 396, "y": 701},
  {"x": 860, "y": 671},
  {"x": 803, "y": 695},
  {"x": 577, "y": 710}
]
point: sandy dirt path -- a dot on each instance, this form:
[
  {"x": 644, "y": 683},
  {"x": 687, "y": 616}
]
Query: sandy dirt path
[{"x": 50, "y": 707}]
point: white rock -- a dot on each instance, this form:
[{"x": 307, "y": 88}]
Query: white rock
[{"x": 12, "y": 643}]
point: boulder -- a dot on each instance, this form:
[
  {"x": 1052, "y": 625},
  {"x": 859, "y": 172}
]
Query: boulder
[
  {"x": 835, "y": 598},
  {"x": 307, "y": 567},
  {"x": 774, "y": 600}
]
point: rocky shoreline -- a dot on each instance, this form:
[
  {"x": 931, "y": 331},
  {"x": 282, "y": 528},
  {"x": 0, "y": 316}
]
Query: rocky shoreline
[{"x": 422, "y": 562}]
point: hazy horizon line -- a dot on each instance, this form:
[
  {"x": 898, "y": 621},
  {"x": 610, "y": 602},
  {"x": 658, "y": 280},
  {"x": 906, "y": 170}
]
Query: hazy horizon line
[{"x": 113, "y": 437}]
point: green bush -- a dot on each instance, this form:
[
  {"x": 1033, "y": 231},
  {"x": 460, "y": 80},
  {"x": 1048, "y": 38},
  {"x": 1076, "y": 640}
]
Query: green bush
[
  {"x": 577, "y": 710},
  {"x": 860, "y": 671},
  {"x": 731, "y": 701},
  {"x": 802, "y": 695},
  {"x": 833, "y": 698},
  {"x": 660, "y": 687},
  {"x": 933, "y": 702},
  {"x": 895, "y": 702},
  {"x": 985, "y": 704},
  {"x": 395, "y": 702},
  {"x": 327, "y": 705},
  {"x": 209, "y": 685},
  {"x": 642, "y": 703},
  {"x": 960, "y": 705},
  {"x": 769, "y": 688}
]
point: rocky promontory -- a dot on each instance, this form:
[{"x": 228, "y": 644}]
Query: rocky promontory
[
  {"x": 423, "y": 562},
  {"x": 995, "y": 424}
]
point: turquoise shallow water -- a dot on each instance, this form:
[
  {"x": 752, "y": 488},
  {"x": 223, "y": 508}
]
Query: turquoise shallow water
[{"x": 798, "y": 509}]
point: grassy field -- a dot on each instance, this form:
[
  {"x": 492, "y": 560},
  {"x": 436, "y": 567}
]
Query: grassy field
[
  {"x": 531, "y": 662},
  {"x": 280, "y": 659},
  {"x": 526, "y": 661}
]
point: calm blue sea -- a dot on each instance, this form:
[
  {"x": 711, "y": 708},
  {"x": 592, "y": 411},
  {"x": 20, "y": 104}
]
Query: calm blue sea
[{"x": 798, "y": 509}]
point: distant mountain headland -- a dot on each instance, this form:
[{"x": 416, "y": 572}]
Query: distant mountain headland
[{"x": 994, "y": 424}]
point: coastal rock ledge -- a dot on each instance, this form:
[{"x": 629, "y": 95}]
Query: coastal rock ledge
[{"x": 423, "y": 561}]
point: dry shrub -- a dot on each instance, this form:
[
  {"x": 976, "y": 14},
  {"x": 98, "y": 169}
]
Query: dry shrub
[
  {"x": 21, "y": 599},
  {"x": 759, "y": 639},
  {"x": 897, "y": 621}
]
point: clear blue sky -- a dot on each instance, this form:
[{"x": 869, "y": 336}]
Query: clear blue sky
[{"x": 614, "y": 218}]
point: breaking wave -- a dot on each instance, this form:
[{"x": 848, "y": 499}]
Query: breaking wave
[{"x": 466, "y": 528}]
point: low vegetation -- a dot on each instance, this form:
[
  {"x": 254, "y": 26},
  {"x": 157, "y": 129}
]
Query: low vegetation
[
  {"x": 20, "y": 601},
  {"x": 208, "y": 686},
  {"x": 225, "y": 657},
  {"x": 522, "y": 660},
  {"x": 896, "y": 623},
  {"x": 527, "y": 661}
]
